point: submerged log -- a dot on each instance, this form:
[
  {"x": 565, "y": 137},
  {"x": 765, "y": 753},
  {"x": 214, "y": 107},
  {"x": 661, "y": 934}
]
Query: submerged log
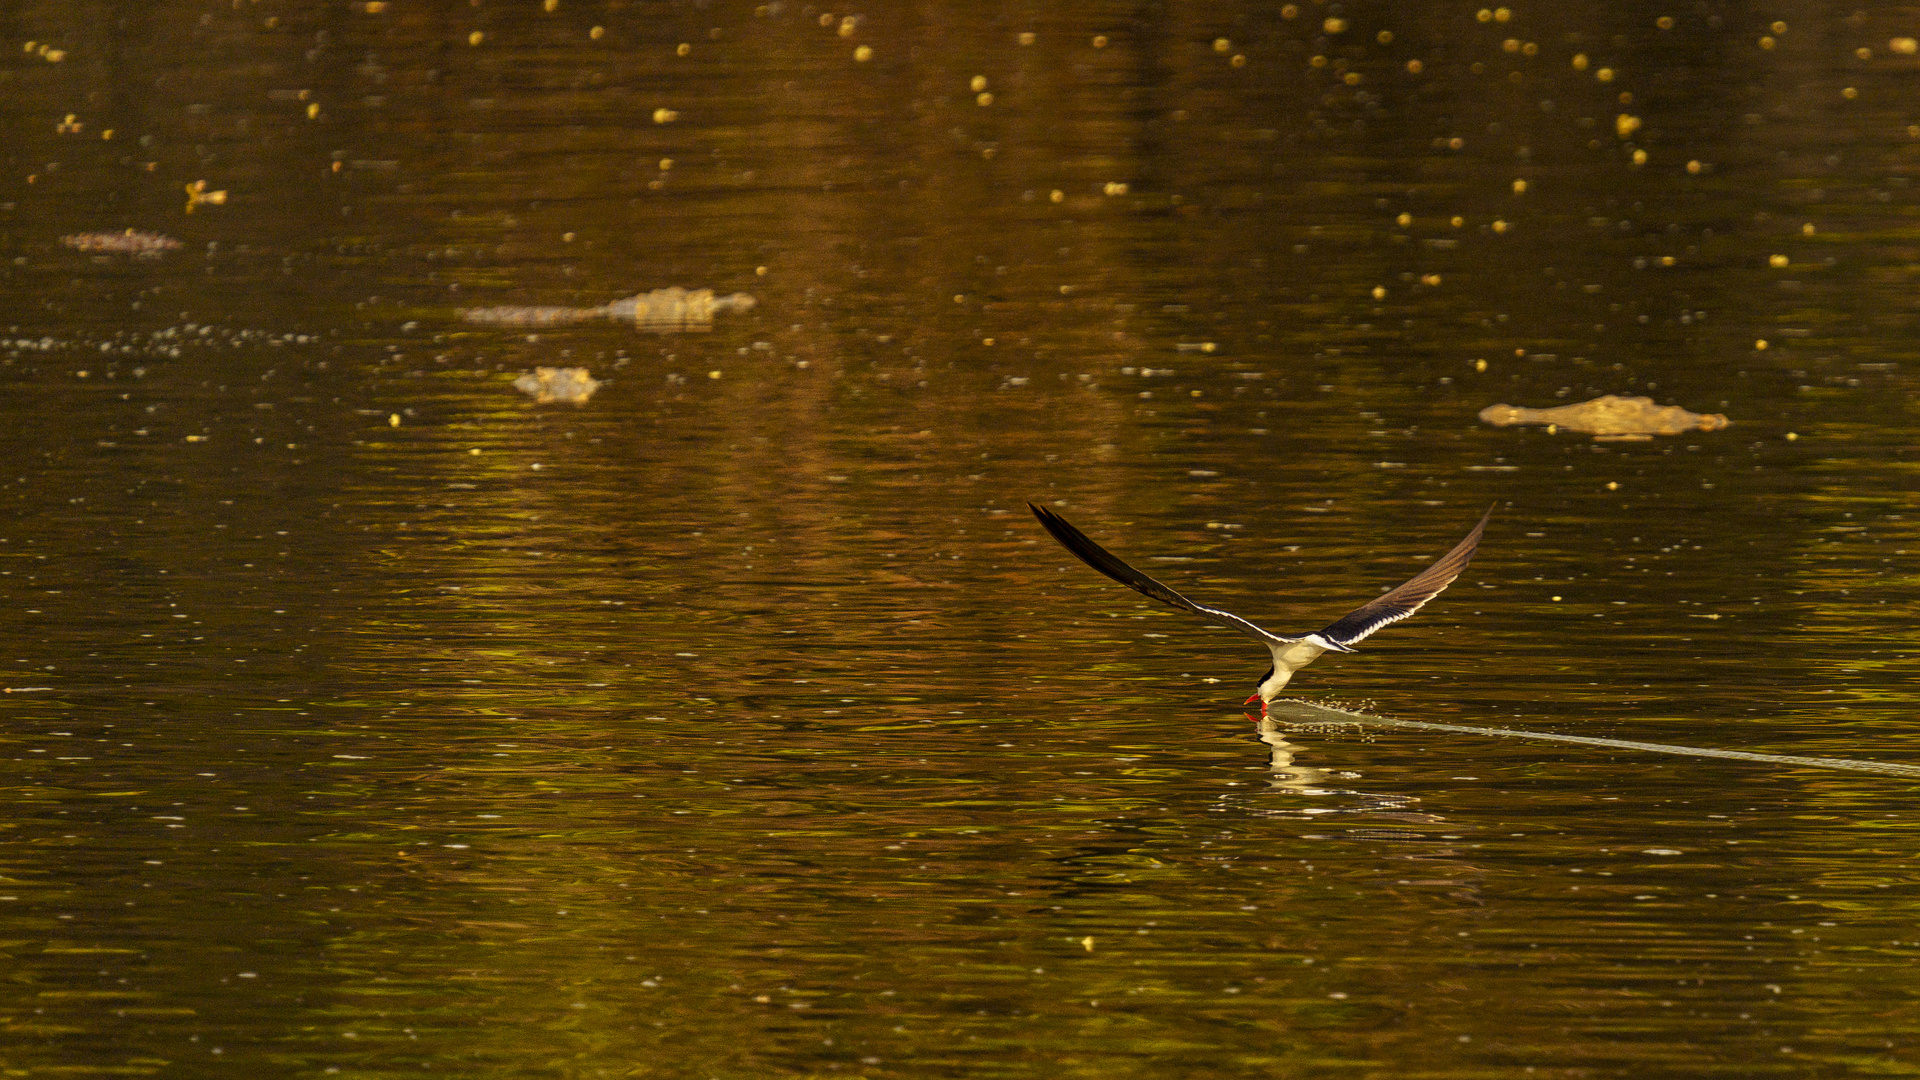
[
  {"x": 1609, "y": 417},
  {"x": 662, "y": 309}
]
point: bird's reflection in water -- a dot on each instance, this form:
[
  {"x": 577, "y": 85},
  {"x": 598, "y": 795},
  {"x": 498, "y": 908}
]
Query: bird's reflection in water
[{"x": 1287, "y": 775}]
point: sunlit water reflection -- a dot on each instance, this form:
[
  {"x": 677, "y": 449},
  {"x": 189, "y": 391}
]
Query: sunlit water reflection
[{"x": 368, "y": 716}]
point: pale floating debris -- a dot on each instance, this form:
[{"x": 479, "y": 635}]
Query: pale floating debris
[
  {"x": 549, "y": 384},
  {"x": 1610, "y": 417},
  {"x": 662, "y": 309},
  {"x": 130, "y": 242}
]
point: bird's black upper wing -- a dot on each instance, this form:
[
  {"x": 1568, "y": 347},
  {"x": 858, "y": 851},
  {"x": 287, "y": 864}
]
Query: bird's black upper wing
[
  {"x": 1398, "y": 603},
  {"x": 1107, "y": 563}
]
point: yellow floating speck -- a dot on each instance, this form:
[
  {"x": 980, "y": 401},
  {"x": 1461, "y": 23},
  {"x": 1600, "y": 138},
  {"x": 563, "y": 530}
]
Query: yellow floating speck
[
  {"x": 1579, "y": 61},
  {"x": 1384, "y": 37},
  {"x": 1613, "y": 485},
  {"x": 1639, "y": 157},
  {"x": 1238, "y": 60},
  {"x": 683, "y": 49},
  {"x": 1666, "y": 260},
  {"x": 1405, "y": 219},
  {"x": 1100, "y": 41},
  {"x": 1087, "y": 943},
  {"x": 393, "y": 419},
  {"x": 1499, "y": 226},
  {"x": 665, "y": 116},
  {"x": 1519, "y": 187},
  {"x": 1290, "y": 11},
  {"x": 1415, "y": 67},
  {"x": 1793, "y": 436},
  {"x": 1664, "y": 22},
  {"x": 1604, "y": 74},
  {"x": 978, "y": 83},
  {"x": 1027, "y": 37},
  {"x": 313, "y": 111},
  {"x": 1510, "y": 45},
  {"x": 1429, "y": 279},
  {"x": 983, "y": 99},
  {"x": 1766, "y": 42},
  {"x": 760, "y": 271},
  {"x": 1850, "y": 93},
  {"x": 597, "y": 33},
  {"x": 1905, "y": 46},
  {"x": 1625, "y": 125},
  {"x": 1807, "y": 229},
  {"x": 1056, "y": 195},
  {"x": 1776, "y": 261},
  {"x": 1479, "y": 365},
  {"x": 1484, "y": 15},
  {"x": 1863, "y": 53},
  {"x": 848, "y": 25},
  {"x": 1456, "y": 221},
  {"x": 550, "y": 5},
  {"x": 1334, "y": 26},
  {"x": 1778, "y": 28},
  {"x": 1761, "y": 345},
  {"x": 1379, "y": 292},
  {"x": 1351, "y": 78},
  {"x": 476, "y": 37},
  {"x": 863, "y": 54},
  {"x": 1221, "y": 45},
  {"x": 1694, "y": 167},
  {"x": 1502, "y": 14}
]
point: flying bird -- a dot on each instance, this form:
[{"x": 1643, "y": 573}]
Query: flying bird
[{"x": 1290, "y": 654}]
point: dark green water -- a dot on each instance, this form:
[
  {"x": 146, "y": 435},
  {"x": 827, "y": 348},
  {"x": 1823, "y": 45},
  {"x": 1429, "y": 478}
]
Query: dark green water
[{"x": 369, "y": 719}]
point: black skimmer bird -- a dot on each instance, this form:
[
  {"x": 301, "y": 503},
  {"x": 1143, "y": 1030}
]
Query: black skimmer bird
[{"x": 1290, "y": 654}]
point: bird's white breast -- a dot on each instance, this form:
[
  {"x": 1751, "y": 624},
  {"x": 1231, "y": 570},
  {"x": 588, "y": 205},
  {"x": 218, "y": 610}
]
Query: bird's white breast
[{"x": 1296, "y": 654}]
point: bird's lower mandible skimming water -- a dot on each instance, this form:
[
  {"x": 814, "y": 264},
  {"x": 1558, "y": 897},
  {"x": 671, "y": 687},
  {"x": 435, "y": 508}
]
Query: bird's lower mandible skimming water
[{"x": 1290, "y": 654}]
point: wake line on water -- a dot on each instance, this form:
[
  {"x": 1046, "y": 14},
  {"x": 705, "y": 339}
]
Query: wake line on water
[{"x": 1885, "y": 768}]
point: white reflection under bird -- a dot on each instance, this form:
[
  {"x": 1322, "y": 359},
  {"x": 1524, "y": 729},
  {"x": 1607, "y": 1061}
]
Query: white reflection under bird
[{"x": 1290, "y": 654}]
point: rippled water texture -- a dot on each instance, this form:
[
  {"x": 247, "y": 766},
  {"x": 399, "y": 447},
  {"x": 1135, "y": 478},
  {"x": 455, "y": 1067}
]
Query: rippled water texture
[{"x": 726, "y": 714}]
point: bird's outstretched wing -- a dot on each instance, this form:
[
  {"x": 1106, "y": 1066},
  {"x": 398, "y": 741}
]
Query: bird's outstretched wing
[
  {"x": 1107, "y": 563},
  {"x": 1398, "y": 603}
]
